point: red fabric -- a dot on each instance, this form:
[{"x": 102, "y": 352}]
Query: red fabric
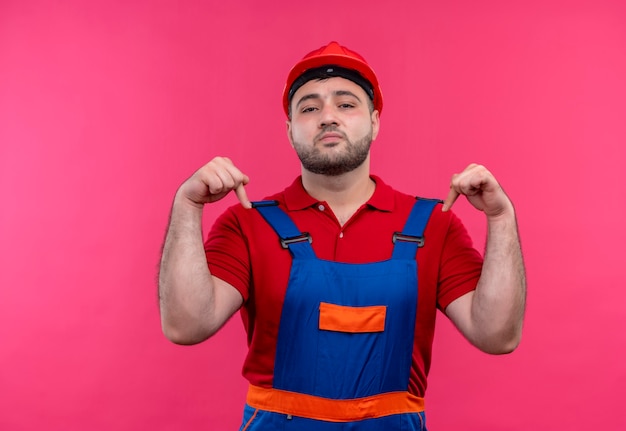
[{"x": 244, "y": 251}]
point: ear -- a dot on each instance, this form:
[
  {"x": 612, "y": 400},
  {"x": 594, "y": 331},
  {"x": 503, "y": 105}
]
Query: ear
[
  {"x": 289, "y": 134},
  {"x": 375, "y": 123}
]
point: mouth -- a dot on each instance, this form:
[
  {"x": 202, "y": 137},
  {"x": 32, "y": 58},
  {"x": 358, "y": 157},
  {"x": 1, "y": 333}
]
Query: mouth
[{"x": 330, "y": 138}]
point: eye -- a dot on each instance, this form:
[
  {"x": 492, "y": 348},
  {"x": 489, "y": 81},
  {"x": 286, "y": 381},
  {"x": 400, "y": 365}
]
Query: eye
[
  {"x": 346, "y": 103},
  {"x": 308, "y": 109}
]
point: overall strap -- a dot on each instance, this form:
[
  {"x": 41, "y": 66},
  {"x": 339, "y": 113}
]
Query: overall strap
[
  {"x": 407, "y": 242},
  {"x": 298, "y": 243}
]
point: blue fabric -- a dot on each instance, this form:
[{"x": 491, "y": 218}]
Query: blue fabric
[
  {"x": 342, "y": 365},
  {"x": 345, "y": 365}
]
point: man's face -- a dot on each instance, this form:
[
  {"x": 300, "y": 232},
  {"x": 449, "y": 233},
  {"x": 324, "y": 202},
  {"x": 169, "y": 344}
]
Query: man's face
[{"x": 331, "y": 126}]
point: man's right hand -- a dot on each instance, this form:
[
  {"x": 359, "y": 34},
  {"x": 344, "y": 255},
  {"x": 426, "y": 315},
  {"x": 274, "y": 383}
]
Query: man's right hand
[
  {"x": 193, "y": 303},
  {"x": 213, "y": 181}
]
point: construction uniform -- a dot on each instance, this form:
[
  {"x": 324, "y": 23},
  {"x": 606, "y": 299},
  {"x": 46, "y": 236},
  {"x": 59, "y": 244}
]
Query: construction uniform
[{"x": 345, "y": 340}]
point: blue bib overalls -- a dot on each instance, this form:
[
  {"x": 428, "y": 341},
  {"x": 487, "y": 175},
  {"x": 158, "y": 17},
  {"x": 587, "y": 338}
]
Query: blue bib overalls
[{"x": 345, "y": 340}]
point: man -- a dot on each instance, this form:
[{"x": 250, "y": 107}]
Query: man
[{"x": 339, "y": 318}]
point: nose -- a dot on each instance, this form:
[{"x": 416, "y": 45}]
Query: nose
[{"x": 328, "y": 116}]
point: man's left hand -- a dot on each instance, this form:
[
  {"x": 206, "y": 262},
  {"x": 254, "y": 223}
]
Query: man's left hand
[{"x": 481, "y": 189}]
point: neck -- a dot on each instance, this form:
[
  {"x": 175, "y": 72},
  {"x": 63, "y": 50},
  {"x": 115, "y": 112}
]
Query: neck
[{"x": 343, "y": 193}]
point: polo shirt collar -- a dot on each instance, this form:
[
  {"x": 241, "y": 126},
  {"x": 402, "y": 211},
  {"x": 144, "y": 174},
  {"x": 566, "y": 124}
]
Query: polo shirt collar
[{"x": 296, "y": 197}]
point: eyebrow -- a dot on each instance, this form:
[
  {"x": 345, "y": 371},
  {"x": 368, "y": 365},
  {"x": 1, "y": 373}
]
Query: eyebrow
[{"x": 318, "y": 96}]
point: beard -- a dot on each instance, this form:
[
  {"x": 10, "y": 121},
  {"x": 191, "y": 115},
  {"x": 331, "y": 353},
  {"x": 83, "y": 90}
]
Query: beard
[{"x": 313, "y": 160}]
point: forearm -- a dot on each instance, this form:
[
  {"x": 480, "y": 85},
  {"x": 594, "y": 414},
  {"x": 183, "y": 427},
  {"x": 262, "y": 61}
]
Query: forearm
[
  {"x": 499, "y": 300},
  {"x": 186, "y": 288}
]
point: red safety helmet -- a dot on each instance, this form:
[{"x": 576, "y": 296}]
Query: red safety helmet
[{"x": 335, "y": 55}]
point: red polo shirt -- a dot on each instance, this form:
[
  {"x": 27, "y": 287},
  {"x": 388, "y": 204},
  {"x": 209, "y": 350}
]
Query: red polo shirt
[{"x": 243, "y": 250}]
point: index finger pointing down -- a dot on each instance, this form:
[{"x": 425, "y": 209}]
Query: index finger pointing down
[
  {"x": 452, "y": 197},
  {"x": 240, "y": 191}
]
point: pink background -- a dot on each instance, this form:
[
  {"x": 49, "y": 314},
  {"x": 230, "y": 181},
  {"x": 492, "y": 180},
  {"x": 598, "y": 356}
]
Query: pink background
[{"x": 107, "y": 106}]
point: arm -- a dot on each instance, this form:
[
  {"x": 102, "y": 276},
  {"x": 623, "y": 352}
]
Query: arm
[
  {"x": 491, "y": 317},
  {"x": 193, "y": 303}
]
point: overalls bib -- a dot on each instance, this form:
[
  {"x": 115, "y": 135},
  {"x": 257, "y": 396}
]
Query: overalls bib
[{"x": 345, "y": 339}]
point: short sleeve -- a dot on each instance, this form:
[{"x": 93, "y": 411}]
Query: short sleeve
[
  {"x": 227, "y": 252},
  {"x": 460, "y": 265}
]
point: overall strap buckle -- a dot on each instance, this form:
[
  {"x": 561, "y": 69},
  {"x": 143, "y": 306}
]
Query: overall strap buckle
[
  {"x": 304, "y": 236},
  {"x": 289, "y": 235},
  {"x": 399, "y": 236},
  {"x": 407, "y": 242}
]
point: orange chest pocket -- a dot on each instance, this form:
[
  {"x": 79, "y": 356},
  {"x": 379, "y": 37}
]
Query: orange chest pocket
[{"x": 341, "y": 318}]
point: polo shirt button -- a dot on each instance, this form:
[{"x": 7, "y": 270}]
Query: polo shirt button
[
  {"x": 340, "y": 234},
  {"x": 321, "y": 207}
]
